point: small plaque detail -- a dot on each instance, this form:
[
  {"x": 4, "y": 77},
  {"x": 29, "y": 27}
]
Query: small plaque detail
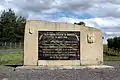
[{"x": 90, "y": 37}]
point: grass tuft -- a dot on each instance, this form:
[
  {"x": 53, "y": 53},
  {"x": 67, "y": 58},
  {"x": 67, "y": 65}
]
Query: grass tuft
[
  {"x": 11, "y": 59},
  {"x": 111, "y": 58}
]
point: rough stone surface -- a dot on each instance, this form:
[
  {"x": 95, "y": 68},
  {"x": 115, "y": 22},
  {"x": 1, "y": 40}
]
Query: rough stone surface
[
  {"x": 64, "y": 67},
  {"x": 62, "y": 74}
]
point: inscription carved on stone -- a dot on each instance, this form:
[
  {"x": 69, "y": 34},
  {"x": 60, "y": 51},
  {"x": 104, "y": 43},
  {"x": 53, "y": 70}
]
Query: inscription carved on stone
[{"x": 58, "y": 45}]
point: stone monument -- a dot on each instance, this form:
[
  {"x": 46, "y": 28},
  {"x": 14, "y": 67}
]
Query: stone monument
[{"x": 61, "y": 44}]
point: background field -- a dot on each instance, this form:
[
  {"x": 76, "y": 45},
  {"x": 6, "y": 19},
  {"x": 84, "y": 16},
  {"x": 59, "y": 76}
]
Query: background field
[{"x": 11, "y": 59}]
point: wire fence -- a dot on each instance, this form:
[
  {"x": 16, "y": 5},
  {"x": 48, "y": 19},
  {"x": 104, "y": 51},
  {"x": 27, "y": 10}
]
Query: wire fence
[{"x": 11, "y": 45}]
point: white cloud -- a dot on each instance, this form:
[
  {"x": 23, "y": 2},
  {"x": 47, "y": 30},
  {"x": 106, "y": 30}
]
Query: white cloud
[
  {"x": 1, "y": 8},
  {"x": 105, "y": 10},
  {"x": 95, "y": 22},
  {"x": 99, "y": 8},
  {"x": 111, "y": 33}
]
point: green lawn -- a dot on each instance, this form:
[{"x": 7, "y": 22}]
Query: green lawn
[
  {"x": 111, "y": 58},
  {"x": 105, "y": 46},
  {"x": 112, "y": 55},
  {"x": 11, "y": 59}
]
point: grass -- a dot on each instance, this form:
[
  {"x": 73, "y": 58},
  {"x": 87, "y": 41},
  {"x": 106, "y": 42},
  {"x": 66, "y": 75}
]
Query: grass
[
  {"x": 105, "y": 46},
  {"x": 111, "y": 54},
  {"x": 111, "y": 58},
  {"x": 11, "y": 59}
]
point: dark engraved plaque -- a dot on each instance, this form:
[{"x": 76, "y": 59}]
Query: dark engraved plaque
[{"x": 58, "y": 45}]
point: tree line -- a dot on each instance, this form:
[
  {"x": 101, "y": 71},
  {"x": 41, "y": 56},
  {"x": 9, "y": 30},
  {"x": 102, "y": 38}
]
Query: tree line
[
  {"x": 11, "y": 27},
  {"x": 114, "y": 43}
]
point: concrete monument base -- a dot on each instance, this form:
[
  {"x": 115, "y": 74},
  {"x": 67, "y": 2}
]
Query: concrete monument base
[{"x": 66, "y": 67}]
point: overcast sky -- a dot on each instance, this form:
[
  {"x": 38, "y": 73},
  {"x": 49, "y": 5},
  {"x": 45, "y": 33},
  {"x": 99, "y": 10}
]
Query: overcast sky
[{"x": 101, "y": 14}]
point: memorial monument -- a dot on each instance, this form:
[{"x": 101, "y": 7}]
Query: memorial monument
[{"x": 59, "y": 44}]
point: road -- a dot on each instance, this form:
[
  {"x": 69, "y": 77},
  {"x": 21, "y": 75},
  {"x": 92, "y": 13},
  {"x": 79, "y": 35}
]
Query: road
[{"x": 11, "y": 50}]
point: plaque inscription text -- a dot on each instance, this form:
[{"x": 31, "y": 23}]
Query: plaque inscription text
[{"x": 58, "y": 45}]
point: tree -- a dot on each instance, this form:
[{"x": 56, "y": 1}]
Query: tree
[
  {"x": 114, "y": 43},
  {"x": 80, "y": 23},
  {"x": 11, "y": 27}
]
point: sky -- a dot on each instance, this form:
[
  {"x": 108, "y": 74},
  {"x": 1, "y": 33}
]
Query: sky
[{"x": 101, "y": 14}]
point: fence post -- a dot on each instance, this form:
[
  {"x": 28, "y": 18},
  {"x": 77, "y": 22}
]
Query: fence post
[
  {"x": 10, "y": 45},
  {"x": 15, "y": 44},
  {"x": 5, "y": 45},
  {"x": 20, "y": 45}
]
